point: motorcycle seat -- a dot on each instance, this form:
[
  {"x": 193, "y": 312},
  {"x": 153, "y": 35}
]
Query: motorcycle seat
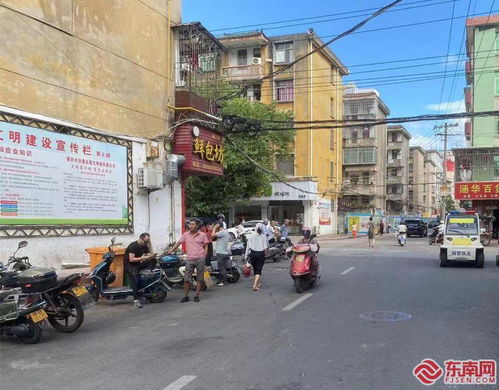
[{"x": 68, "y": 279}]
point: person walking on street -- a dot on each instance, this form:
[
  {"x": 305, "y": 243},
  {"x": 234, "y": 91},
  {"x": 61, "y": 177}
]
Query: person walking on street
[
  {"x": 381, "y": 228},
  {"x": 268, "y": 231},
  {"x": 138, "y": 257},
  {"x": 197, "y": 248},
  {"x": 257, "y": 249},
  {"x": 221, "y": 237},
  {"x": 370, "y": 232},
  {"x": 285, "y": 231},
  {"x": 354, "y": 230}
]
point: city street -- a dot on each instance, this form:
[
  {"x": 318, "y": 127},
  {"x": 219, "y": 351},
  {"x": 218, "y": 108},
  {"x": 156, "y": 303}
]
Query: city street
[{"x": 276, "y": 339}]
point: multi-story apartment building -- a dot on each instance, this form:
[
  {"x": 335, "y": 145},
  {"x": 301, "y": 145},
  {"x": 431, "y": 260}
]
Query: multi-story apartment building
[
  {"x": 397, "y": 176},
  {"x": 431, "y": 201},
  {"x": 364, "y": 151},
  {"x": 417, "y": 186},
  {"x": 312, "y": 90},
  {"x": 482, "y": 75},
  {"x": 440, "y": 179}
]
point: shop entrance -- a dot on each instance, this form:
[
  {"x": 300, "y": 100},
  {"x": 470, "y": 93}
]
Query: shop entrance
[{"x": 292, "y": 210}]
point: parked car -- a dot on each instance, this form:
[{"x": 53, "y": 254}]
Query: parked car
[{"x": 416, "y": 227}]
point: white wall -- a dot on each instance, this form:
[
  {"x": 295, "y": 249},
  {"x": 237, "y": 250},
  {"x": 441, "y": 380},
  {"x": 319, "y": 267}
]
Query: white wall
[{"x": 155, "y": 213}]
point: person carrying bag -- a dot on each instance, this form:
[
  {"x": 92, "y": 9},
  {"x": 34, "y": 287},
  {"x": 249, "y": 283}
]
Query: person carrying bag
[{"x": 257, "y": 249}]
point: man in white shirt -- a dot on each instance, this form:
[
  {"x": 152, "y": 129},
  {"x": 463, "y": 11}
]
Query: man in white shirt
[{"x": 268, "y": 230}]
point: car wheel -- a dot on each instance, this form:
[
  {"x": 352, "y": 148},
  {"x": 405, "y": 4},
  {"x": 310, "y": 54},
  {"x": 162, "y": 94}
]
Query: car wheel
[
  {"x": 443, "y": 258},
  {"x": 480, "y": 260}
]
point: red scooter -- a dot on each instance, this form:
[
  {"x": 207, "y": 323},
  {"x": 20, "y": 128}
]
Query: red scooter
[{"x": 304, "y": 265}]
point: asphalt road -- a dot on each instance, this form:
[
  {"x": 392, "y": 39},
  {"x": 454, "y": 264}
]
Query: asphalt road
[{"x": 239, "y": 339}]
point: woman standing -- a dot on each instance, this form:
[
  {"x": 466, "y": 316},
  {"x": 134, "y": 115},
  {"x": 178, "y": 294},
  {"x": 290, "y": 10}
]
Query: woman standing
[
  {"x": 354, "y": 230},
  {"x": 256, "y": 249},
  {"x": 370, "y": 232}
]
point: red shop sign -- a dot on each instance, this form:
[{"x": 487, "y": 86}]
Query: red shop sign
[
  {"x": 203, "y": 150},
  {"x": 476, "y": 190}
]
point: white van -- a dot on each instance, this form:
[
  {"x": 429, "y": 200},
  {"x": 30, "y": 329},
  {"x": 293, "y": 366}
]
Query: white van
[{"x": 462, "y": 239}]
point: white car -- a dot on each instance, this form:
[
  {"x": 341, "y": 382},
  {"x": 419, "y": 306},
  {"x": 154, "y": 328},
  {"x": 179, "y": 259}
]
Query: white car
[{"x": 462, "y": 240}]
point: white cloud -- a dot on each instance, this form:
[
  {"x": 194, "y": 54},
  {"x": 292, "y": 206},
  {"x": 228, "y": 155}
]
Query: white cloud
[{"x": 451, "y": 107}]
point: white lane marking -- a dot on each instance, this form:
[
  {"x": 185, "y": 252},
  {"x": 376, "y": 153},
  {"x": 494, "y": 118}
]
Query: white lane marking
[
  {"x": 292, "y": 305},
  {"x": 180, "y": 383},
  {"x": 347, "y": 270}
]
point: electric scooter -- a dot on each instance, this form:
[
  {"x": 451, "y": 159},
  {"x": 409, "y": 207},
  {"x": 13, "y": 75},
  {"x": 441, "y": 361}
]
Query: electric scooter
[
  {"x": 152, "y": 284},
  {"x": 401, "y": 237},
  {"x": 304, "y": 265}
]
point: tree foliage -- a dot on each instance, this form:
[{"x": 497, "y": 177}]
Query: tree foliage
[
  {"x": 450, "y": 204},
  {"x": 242, "y": 180}
]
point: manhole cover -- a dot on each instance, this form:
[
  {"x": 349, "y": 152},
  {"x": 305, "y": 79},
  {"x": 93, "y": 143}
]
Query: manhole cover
[{"x": 385, "y": 316}]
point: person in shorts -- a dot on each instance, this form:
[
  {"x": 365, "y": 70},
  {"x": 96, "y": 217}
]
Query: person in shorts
[{"x": 196, "y": 243}]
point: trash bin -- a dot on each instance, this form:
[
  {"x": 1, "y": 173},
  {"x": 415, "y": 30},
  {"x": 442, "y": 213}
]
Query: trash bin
[{"x": 117, "y": 266}]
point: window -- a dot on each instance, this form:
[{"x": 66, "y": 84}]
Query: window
[
  {"x": 332, "y": 108},
  {"x": 331, "y": 169},
  {"x": 331, "y": 139},
  {"x": 354, "y": 178},
  {"x": 208, "y": 62},
  {"x": 284, "y": 52},
  {"x": 366, "y": 178},
  {"x": 333, "y": 76},
  {"x": 395, "y": 154},
  {"x": 284, "y": 91},
  {"x": 286, "y": 164},
  {"x": 363, "y": 155},
  {"x": 365, "y": 132},
  {"x": 355, "y": 134},
  {"x": 394, "y": 172},
  {"x": 411, "y": 167},
  {"x": 242, "y": 57},
  {"x": 257, "y": 52}
]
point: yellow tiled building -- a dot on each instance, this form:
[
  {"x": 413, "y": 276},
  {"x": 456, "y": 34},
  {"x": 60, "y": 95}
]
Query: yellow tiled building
[{"x": 312, "y": 90}]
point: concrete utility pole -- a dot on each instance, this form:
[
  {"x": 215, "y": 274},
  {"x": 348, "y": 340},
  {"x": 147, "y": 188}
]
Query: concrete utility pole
[{"x": 446, "y": 126}]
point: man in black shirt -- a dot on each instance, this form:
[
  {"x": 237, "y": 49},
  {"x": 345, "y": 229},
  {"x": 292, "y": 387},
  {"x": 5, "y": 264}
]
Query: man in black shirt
[{"x": 137, "y": 257}]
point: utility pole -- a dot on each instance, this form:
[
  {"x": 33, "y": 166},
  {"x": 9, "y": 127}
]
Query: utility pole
[{"x": 446, "y": 126}]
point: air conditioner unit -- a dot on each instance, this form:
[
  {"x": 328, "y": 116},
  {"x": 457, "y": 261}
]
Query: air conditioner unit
[
  {"x": 148, "y": 178},
  {"x": 173, "y": 163},
  {"x": 257, "y": 61}
]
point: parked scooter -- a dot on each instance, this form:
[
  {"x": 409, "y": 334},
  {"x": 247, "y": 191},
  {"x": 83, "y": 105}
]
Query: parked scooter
[
  {"x": 21, "y": 316},
  {"x": 152, "y": 283},
  {"x": 402, "y": 239},
  {"x": 233, "y": 272},
  {"x": 65, "y": 300},
  {"x": 171, "y": 264},
  {"x": 304, "y": 265},
  {"x": 485, "y": 237}
]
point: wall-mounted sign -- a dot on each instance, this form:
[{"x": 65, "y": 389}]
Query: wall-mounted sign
[
  {"x": 300, "y": 190},
  {"x": 476, "y": 190},
  {"x": 324, "y": 213},
  {"x": 49, "y": 178},
  {"x": 204, "y": 153}
]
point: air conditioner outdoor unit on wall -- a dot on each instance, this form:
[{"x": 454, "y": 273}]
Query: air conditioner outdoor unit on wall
[
  {"x": 148, "y": 178},
  {"x": 257, "y": 61}
]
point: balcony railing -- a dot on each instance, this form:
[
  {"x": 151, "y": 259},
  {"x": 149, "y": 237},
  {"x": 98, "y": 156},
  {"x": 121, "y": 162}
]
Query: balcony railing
[
  {"x": 364, "y": 188},
  {"x": 394, "y": 145},
  {"x": 243, "y": 72},
  {"x": 395, "y": 179},
  {"x": 355, "y": 142},
  {"x": 395, "y": 163}
]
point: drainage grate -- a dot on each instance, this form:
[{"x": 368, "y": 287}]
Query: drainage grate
[{"x": 385, "y": 316}]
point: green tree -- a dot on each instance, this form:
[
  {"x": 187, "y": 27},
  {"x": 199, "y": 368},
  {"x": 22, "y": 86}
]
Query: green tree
[
  {"x": 242, "y": 180},
  {"x": 449, "y": 203}
]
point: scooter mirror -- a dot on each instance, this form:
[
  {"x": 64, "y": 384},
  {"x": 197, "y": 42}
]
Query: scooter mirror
[{"x": 22, "y": 244}]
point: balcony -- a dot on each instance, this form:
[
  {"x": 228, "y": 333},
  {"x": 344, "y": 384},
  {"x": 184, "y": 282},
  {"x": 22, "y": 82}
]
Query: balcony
[
  {"x": 469, "y": 73},
  {"x": 398, "y": 197},
  {"x": 468, "y": 99},
  {"x": 364, "y": 188},
  {"x": 243, "y": 72},
  {"x": 394, "y": 179},
  {"x": 468, "y": 130},
  {"x": 355, "y": 142},
  {"x": 394, "y": 163},
  {"x": 394, "y": 145}
]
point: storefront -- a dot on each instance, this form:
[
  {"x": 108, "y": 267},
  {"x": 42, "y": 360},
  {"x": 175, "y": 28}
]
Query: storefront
[
  {"x": 299, "y": 203},
  {"x": 482, "y": 196}
]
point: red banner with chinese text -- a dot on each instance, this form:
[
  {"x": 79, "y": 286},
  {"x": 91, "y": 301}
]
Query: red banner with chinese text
[{"x": 476, "y": 190}]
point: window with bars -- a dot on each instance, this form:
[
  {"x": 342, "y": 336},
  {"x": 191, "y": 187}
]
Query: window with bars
[
  {"x": 355, "y": 107},
  {"x": 331, "y": 139},
  {"x": 284, "y": 90},
  {"x": 331, "y": 169},
  {"x": 363, "y": 155},
  {"x": 286, "y": 164}
]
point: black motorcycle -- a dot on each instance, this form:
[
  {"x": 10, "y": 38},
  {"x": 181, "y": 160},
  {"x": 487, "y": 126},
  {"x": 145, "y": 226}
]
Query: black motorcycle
[{"x": 65, "y": 299}]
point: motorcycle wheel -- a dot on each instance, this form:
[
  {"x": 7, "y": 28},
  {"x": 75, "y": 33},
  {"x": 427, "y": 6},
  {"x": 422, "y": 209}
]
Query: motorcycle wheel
[
  {"x": 35, "y": 332},
  {"x": 299, "y": 285},
  {"x": 234, "y": 276},
  {"x": 158, "y": 294},
  {"x": 60, "y": 321}
]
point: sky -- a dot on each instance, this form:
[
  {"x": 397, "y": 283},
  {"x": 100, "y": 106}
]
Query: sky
[{"x": 441, "y": 39}]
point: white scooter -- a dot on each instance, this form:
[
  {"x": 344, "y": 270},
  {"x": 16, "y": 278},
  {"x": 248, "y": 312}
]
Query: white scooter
[{"x": 402, "y": 238}]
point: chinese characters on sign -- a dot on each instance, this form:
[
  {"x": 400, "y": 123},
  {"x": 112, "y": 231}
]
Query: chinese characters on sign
[
  {"x": 477, "y": 190},
  {"x": 208, "y": 151},
  {"x": 49, "y": 178}
]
